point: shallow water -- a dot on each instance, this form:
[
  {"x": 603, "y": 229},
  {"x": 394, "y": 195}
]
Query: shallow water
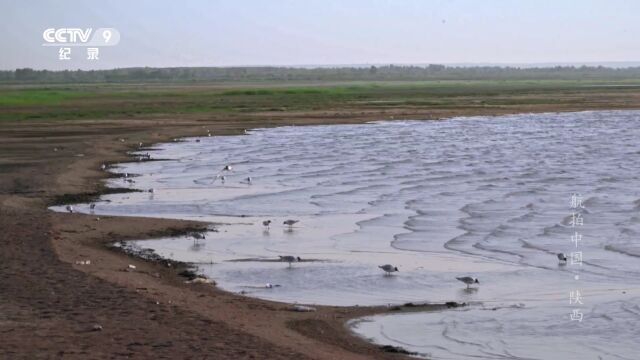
[{"x": 483, "y": 196}]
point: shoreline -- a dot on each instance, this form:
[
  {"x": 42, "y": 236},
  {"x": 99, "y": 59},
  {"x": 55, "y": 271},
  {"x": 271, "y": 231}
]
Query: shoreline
[
  {"x": 64, "y": 298},
  {"x": 178, "y": 227}
]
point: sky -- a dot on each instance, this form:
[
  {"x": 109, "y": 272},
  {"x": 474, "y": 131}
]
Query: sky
[{"x": 312, "y": 32}]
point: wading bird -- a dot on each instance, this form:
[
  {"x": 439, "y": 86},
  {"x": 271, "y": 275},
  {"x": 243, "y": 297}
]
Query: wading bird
[
  {"x": 388, "y": 268},
  {"x": 267, "y": 224},
  {"x": 468, "y": 280},
  {"x": 290, "y": 259},
  {"x": 562, "y": 257},
  {"x": 220, "y": 176},
  {"x": 290, "y": 222}
]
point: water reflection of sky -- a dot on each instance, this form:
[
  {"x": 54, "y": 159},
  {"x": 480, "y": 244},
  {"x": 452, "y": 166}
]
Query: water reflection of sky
[{"x": 487, "y": 197}]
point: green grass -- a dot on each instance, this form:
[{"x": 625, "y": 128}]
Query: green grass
[
  {"x": 37, "y": 96},
  {"x": 286, "y": 91},
  {"x": 95, "y": 101}
]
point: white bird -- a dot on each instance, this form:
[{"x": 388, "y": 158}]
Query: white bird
[
  {"x": 388, "y": 268},
  {"x": 69, "y": 208},
  {"x": 468, "y": 280},
  {"x": 290, "y": 259},
  {"x": 266, "y": 223},
  {"x": 220, "y": 176},
  {"x": 103, "y": 167},
  {"x": 290, "y": 222},
  {"x": 562, "y": 257}
]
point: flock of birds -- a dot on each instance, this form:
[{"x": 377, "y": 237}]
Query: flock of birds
[
  {"x": 290, "y": 259},
  {"x": 290, "y": 223},
  {"x": 468, "y": 280},
  {"x": 223, "y": 177},
  {"x": 387, "y": 268}
]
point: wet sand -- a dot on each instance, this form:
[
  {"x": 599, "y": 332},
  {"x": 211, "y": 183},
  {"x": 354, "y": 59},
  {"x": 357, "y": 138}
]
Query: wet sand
[{"x": 51, "y": 307}]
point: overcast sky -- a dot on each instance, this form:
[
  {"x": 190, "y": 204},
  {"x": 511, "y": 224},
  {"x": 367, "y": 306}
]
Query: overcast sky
[{"x": 323, "y": 32}]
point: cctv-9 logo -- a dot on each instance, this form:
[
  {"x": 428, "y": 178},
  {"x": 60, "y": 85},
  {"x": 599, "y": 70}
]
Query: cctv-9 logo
[{"x": 81, "y": 37}]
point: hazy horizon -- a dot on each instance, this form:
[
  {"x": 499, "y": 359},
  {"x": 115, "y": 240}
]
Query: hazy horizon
[
  {"x": 328, "y": 33},
  {"x": 610, "y": 64}
]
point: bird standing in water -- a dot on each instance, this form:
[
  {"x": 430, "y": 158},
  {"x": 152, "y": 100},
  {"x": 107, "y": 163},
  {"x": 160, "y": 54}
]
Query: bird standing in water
[
  {"x": 290, "y": 259},
  {"x": 388, "y": 269},
  {"x": 468, "y": 280},
  {"x": 290, "y": 222}
]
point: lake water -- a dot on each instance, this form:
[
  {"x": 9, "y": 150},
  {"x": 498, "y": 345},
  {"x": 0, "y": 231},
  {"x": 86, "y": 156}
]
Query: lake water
[{"x": 488, "y": 197}]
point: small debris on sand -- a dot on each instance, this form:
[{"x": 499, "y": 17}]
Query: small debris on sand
[
  {"x": 396, "y": 350},
  {"x": 453, "y": 304},
  {"x": 188, "y": 273},
  {"x": 302, "y": 308},
  {"x": 200, "y": 280}
]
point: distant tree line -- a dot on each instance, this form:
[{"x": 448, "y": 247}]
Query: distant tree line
[{"x": 373, "y": 73}]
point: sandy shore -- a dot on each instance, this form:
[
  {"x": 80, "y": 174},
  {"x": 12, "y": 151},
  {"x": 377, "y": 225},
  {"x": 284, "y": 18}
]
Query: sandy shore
[{"x": 51, "y": 307}]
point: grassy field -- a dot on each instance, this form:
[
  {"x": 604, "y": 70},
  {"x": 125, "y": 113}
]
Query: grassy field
[{"x": 104, "y": 101}]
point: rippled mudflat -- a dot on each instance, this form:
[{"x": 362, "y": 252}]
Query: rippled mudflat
[{"x": 488, "y": 197}]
